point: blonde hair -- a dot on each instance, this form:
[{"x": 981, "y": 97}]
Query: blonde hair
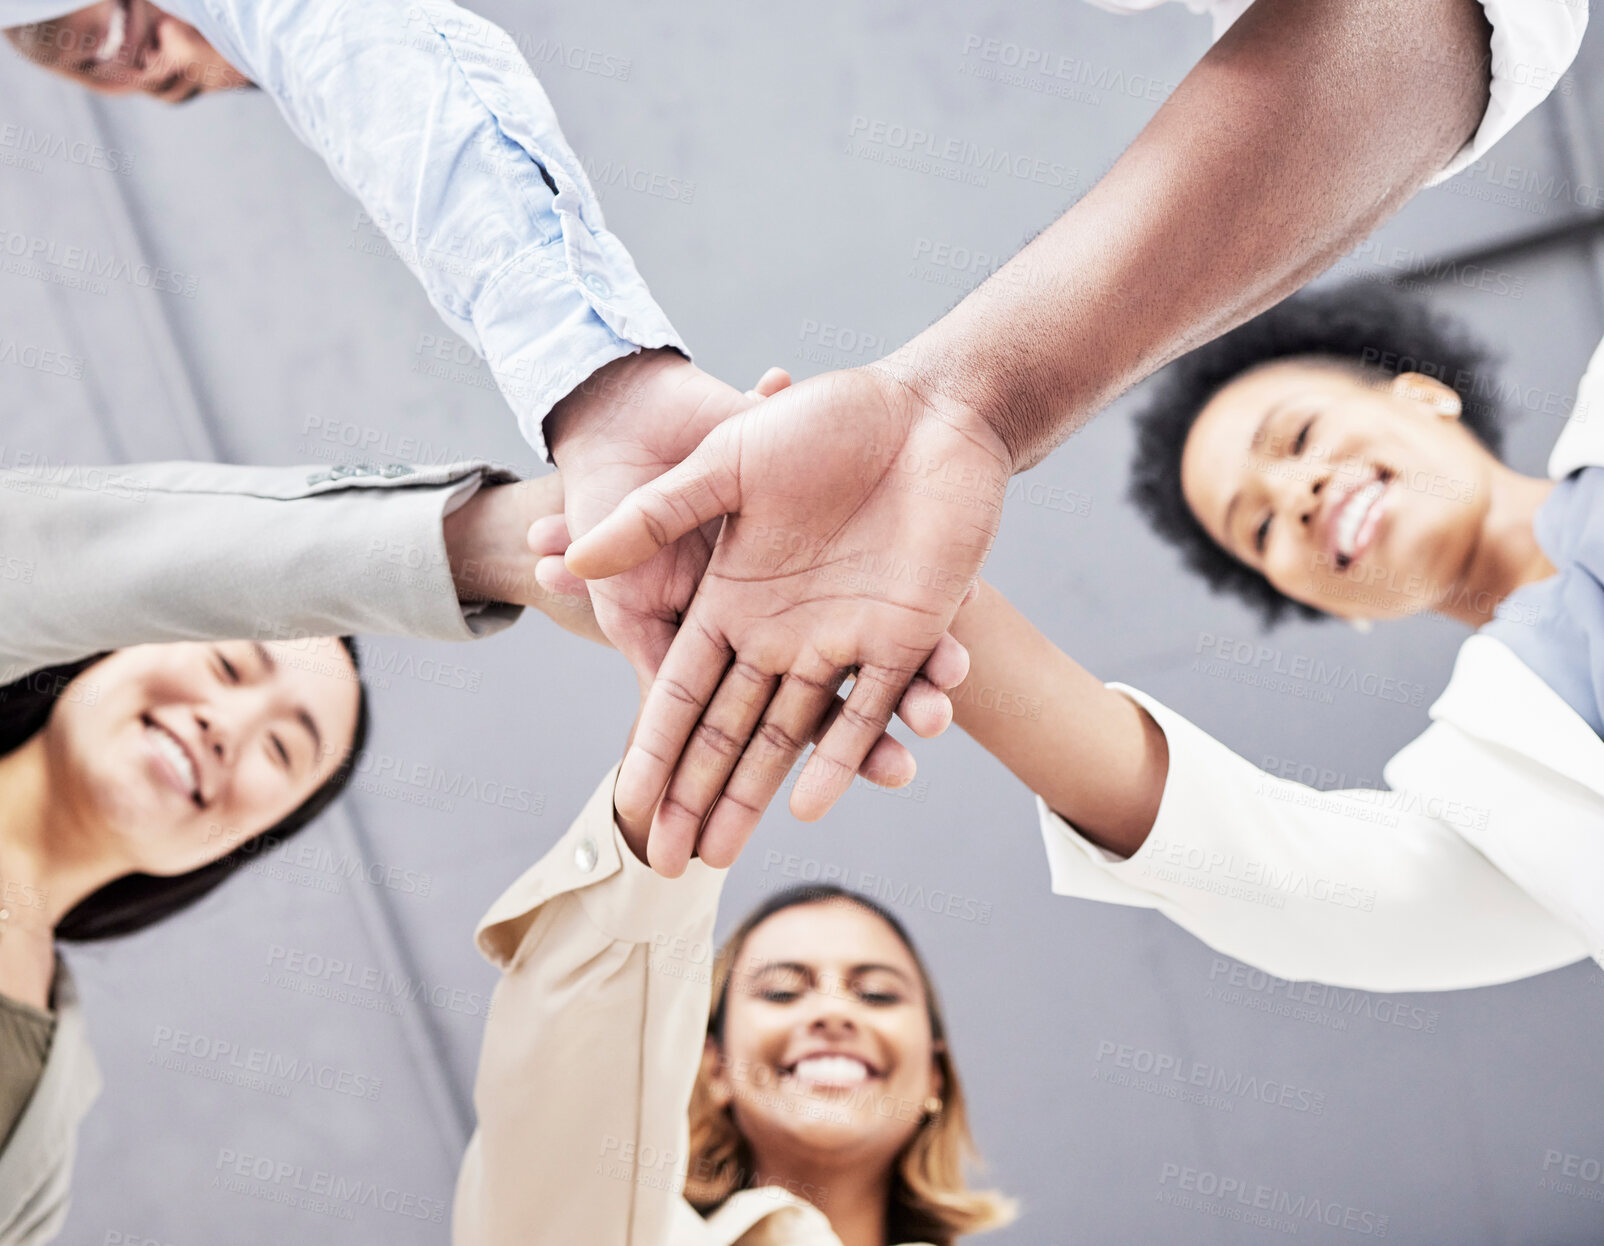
[{"x": 930, "y": 1197}]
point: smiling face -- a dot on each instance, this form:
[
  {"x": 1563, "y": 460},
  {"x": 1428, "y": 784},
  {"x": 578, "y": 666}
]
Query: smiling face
[
  {"x": 828, "y": 1054},
  {"x": 1360, "y": 495},
  {"x": 174, "y": 754},
  {"x": 123, "y": 47}
]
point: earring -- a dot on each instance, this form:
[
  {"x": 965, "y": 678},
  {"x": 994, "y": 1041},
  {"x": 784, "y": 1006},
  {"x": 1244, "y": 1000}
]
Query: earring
[{"x": 932, "y": 1106}]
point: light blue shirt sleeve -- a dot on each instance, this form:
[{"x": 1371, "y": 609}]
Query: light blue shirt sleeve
[{"x": 432, "y": 118}]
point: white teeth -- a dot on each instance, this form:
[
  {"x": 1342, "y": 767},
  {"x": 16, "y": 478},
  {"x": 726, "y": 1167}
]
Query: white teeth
[
  {"x": 1353, "y": 515},
  {"x": 831, "y": 1071},
  {"x": 168, "y": 746}
]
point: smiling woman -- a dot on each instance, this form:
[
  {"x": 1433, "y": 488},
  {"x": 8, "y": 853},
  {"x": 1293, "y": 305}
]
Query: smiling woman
[
  {"x": 155, "y": 729},
  {"x": 1330, "y": 458},
  {"x": 827, "y": 1073},
  {"x": 797, "y": 1088},
  {"x": 1336, "y": 456},
  {"x": 135, "y": 783},
  {"x": 161, "y": 758}
]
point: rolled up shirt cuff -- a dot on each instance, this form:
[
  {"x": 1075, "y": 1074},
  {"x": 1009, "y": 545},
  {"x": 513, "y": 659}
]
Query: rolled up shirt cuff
[{"x": 555, "y": 314}]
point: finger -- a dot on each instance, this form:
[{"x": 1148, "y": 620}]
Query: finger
[
  {"x": 640, "y": 620},
  {"x": 711, "y": 754},
  {"x": 770, "y": 383},
  {"x": 797, "y": 710},
  {"x": 889, "y": 763},
  {"x": 875, "y": 694},
  {"x": 948, "y": 664},
  {"x": 925, "y": 708},
  {"x": 705, "y": 487},
  {"x": 549, "y": 534},
  {"x": 552, "y": 574},
  {"x": 689, "y": 676}
]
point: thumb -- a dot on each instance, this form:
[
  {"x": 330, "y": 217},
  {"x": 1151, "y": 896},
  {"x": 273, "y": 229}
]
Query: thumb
[{"x": 704, "y": 487}]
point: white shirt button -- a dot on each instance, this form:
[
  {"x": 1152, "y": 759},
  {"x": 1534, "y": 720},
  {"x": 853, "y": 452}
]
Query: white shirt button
[
  {"x": 585, "y": 855},
  {"x": 598, "y": 286}
]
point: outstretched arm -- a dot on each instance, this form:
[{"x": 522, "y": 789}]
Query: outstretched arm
[
  {"x": 1139, "y": 807},
  {"x": 430, "y": 115},
  {"x": 96, "y": 558},
  {"x": 1307, "y": 125},
  {"x": 1095, "y": 756},
  {"x": 591, "y": 1049}
]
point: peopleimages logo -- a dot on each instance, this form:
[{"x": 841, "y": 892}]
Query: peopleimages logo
[
  {"x": 1164, "y": 1066},
  {"x": 369, "y": 986},
  {"x": 255, "y": 1068},
  {"x": 1219, "y": 654},
  {"x": 318, "y": 1189},
  {"x": 955, "y": 158},
  {"x": 94, "y": 265},
  {"x": 1246, "y": 1194},
  {"x": 1233, "y": 982},
  {"x": 32, "y": 144}
]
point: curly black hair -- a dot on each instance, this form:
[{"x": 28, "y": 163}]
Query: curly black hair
[{"x": 1370, "y": 327}]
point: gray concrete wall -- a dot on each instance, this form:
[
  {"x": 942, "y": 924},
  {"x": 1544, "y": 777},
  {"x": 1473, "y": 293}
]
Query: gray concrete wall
[{"x": 301, "y": 334}]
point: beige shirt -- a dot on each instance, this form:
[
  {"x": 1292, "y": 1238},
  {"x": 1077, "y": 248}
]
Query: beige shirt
[{"x": 590, "y": 1053}]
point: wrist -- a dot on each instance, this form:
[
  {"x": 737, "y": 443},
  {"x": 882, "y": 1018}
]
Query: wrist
[
  {"x": 960, "y": 391},
  {"x": 486, "y": 544},
  {"x": 577, "y": 425}
]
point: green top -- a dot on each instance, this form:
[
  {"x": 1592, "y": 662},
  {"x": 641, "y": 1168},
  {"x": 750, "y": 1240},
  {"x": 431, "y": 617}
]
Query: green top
[{"x": 25, "y": 1034}]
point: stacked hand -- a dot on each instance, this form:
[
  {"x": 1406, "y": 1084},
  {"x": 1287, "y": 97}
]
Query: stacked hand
[{"x": 859, "y": 514}]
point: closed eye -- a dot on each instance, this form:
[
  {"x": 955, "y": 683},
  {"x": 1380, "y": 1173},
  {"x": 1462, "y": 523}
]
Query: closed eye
[
  {"x": 1261, "y": 534},
  {"x": 276, "y": 747},
  {"x": 228, "y": 671},
  {"x": 1302, "y": 438}
]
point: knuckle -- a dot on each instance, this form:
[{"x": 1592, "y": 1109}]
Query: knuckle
[
  {"x": 742, "y": 812},
  {"x": 676, "y": 691},
  {"x": 779, "y": 738},
  {"x": 655, "y": 527},
  {"x": 674, "y": 812},
  {"x": 747, "y": 673},
  {"x": 859, "y": 721},
  {"x": 716, "y": 740},
  {"x": 825, "y": 685}
]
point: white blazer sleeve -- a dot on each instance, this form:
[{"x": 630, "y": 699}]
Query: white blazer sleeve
[
  {"x": 1533, "y": 45},
  {"x": 98, "y": 558},
  {"x": 592, "y": 1046},
  {"x": 1349, "y": 888}
]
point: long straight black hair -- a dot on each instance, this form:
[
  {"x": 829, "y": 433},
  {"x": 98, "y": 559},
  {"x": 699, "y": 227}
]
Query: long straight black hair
[{"x": 135, "y": 901}]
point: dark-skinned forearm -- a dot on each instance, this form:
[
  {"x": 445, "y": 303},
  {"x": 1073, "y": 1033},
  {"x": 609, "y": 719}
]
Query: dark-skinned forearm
[
  {"x": 1306, "y": 126},
  {"x": 1093, "y": 755}
]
